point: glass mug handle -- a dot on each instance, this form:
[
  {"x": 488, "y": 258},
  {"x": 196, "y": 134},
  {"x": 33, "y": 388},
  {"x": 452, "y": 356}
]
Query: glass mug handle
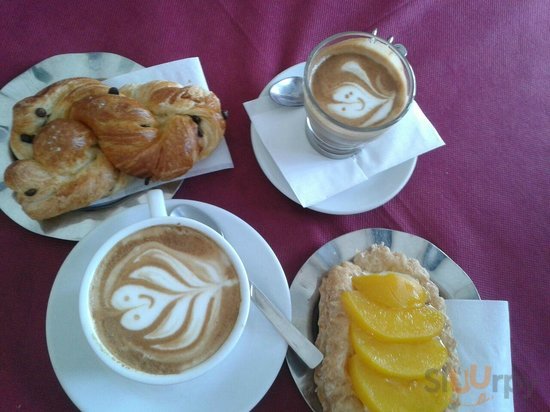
[{"x": 398, "y": 46}]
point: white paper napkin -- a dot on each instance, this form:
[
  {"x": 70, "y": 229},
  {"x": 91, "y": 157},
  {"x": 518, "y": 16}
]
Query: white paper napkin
[
  {"x": 186, "y": 71},
  {"x": 482, "y": 330},
  {"x": 313, "y": 177}
]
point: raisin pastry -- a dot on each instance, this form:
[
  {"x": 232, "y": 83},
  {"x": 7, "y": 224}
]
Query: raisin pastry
[
  {"x": 53, "y": 102},
  {"x": 67, "y": 171},
  {"x": 78, "y": 140},
  {"x": 157, "y": 130}
]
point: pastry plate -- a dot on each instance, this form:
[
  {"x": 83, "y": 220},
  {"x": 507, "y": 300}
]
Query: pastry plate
[
  {"x": 74, "y": 225},
  {"x": 376, "y": 191},
  {"x": 254, "y": 363},
  {"x": 452, "y": 281}
]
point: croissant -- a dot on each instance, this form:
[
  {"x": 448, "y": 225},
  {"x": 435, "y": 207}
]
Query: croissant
[
  {"x": 157, "y": 130},
  {"x": 68, "y": 171}
]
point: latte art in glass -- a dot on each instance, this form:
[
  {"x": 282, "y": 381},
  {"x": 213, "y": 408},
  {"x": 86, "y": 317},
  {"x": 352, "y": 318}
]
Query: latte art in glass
[
  {"x": 358, "y": 86},
  {"x": 366, "y": 99},
  {"x": 165, "y": 299}
]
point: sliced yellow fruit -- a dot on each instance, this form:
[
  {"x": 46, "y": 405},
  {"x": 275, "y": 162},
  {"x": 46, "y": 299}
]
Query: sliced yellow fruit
[
  {"x": 404, "y": 360},
  {"x": 394, "y": 290},
  {"x": 380, "y": 393},
  {"x": 395, "y": 325}
]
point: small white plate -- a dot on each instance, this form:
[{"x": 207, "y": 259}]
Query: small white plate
[
  {"x": 376, "y": 191},
  {"x": 73, "y": 225},
  {"x": 452, "y": 281},
  {"x": 237, "y": 384}
]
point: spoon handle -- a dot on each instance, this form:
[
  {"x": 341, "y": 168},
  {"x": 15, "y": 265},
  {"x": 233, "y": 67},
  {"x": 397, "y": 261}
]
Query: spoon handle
[{"x": 306, "y": 350}]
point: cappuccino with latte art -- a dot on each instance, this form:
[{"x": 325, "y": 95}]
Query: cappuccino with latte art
[
  {"x": 357, "y": 85},
  {"x": 164, "y": 299}
]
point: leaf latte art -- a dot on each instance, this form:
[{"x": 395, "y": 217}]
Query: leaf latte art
[
  {"x": 168, "y": 294},
  {"x": 163, "y": 303}
]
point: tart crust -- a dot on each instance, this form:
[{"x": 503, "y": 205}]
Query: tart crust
[{"x": 333, "y": 384}]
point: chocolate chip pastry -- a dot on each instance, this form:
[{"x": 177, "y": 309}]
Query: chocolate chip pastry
[
  {"x": 60, "y": 166},
  {"x": 78, "y": 140}
]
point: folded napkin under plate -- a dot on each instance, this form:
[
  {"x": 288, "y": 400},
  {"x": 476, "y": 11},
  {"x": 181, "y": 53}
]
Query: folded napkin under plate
[
  {"x": 314, "y": 178},
  {"x": 482, "y": 331}
]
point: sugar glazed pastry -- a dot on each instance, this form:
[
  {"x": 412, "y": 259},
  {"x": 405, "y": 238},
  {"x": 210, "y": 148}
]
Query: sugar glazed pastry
[
  {"x": 386, "y": 340},
  {"x": 77, "y": 140}
]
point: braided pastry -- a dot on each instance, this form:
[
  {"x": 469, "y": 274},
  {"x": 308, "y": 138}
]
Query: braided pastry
[
  {"x": 75, "y": 137},
  {"x": 157, "y": 130}
]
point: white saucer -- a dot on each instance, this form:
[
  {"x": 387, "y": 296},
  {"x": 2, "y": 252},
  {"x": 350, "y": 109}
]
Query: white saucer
[
  {"x": 366, "y": 196},
  {"x": 452, "y": 281},
  {"x": 237, "y": 384}
]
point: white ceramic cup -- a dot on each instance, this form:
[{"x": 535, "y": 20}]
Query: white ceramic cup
[{"x": 159, "y": 217}]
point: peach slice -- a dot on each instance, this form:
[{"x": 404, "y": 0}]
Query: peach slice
[
  {"x": 380, "y": 393},
  {"x": 395, "y": 325},
  {"x": 394, "y": 290},
  {"x": 404, "y": 360}
]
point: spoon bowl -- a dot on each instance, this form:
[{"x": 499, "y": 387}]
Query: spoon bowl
[{"x": 288, "y": 91}]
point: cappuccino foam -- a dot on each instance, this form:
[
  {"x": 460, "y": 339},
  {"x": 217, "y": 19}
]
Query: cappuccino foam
[
  {"x": 165, "y": 299},
  {"x": 358, "y": 85}
]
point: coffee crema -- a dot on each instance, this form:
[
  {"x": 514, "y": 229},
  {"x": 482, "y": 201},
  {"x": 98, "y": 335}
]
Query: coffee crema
[
  {"x": 165, "y": 299},
  {"x": 357, "y": 85}
]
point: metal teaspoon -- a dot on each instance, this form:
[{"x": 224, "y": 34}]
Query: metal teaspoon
[{"x": 288, "y": 91}]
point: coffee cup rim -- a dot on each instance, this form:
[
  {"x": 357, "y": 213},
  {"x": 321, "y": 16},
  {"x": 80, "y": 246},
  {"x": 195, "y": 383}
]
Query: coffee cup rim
[
  {"x": 403, "y": 60},
  {"x": 87, "y": 323}
]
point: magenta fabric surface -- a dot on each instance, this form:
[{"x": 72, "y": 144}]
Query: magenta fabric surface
[{"x": 483, "y": 80}]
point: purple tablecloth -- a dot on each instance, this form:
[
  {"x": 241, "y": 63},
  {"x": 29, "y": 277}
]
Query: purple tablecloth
[{"x": 483, "y": 79}]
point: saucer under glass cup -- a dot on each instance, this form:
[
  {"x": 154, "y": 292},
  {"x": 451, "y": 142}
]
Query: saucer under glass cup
[{"x": 356, "y": 85}]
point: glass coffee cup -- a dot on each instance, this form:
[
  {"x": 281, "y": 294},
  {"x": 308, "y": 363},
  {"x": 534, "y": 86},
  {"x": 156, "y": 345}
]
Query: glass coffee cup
[{"x": 357, "y": 86}]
